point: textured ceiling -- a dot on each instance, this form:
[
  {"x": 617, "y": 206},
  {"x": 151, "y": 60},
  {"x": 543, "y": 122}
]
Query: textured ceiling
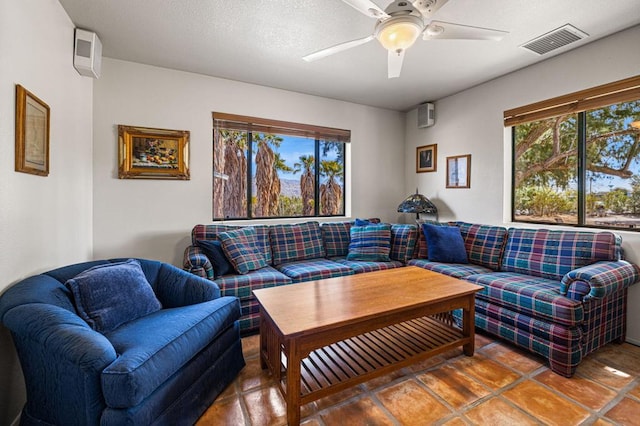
[{"x": 263, "y": 41}]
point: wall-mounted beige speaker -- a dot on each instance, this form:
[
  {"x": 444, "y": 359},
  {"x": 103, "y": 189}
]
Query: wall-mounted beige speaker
[
  {"x": 87, "y": 53},
  {"x": 426, "y": 115}
]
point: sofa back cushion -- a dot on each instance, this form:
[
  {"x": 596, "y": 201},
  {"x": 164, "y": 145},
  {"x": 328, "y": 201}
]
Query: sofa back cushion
[
  {"x": 484, "y": 243},
  {"x": 335, "y": 236},
  {"x": 296, "y": 242},
  {"x": 551, "y": 254},
  {"x": 403, "y": 242},
  {"x": 211, "y": 232}
]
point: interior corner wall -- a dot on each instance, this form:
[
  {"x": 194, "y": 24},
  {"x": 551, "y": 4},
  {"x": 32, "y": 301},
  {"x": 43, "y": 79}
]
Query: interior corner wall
[
  {"x": 154, "y": 218},
  {"x": 45, "y": 222},
  {"x": 471, "y": 122}
]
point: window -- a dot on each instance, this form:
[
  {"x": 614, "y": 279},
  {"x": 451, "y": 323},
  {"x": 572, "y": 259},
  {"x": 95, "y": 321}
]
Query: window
[
  {"x": 270, "y": 169},
  {"x": 578, "y": 162}
]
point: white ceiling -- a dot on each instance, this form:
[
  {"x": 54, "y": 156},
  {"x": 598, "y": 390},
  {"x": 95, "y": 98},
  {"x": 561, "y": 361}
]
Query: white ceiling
[{"x": 263, "y": 42}]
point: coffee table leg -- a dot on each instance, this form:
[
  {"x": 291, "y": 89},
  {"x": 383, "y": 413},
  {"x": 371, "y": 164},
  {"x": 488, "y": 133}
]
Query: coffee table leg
[
  {"x": 468, "y": 326},
  {"x": 293, "y": 383}
]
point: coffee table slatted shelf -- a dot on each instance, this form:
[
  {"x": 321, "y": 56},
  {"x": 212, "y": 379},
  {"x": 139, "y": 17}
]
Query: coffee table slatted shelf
[{"x": 357, "y": 359}]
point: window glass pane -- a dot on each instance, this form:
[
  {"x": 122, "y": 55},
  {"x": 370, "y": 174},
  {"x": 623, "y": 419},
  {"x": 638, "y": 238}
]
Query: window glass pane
[
  {"x": 545, "y": 154},
  {"x": 613, "y": 166},
  {"x": 229, "y": 174},
  {"x": 277, "y": 175},
  {"x": 332, "y": 166}
]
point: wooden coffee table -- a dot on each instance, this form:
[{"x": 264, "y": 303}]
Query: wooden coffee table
[{"x": 321, "y": 337}]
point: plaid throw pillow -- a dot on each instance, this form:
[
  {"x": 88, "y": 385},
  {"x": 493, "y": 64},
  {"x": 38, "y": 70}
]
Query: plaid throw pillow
[
  {"x": 370, "y": 243},
  {"x": 242, "y": 250}
]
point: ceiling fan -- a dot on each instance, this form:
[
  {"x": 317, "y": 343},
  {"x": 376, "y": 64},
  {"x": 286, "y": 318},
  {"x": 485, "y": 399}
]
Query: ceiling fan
[{"x": 400, "y": 24}]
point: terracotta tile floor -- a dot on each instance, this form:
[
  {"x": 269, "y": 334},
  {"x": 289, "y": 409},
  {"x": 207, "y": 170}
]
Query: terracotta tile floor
[{"x": 499, "y": 385}]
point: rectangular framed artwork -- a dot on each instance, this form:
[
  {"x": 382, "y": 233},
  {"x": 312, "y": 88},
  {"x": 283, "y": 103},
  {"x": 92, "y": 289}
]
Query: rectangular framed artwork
[
  {"x": 459, "y": 171},
  {"x": 426, "y": 158},
  {"x": 32, "y": 133},
  {"x": 145, "y": 153}
]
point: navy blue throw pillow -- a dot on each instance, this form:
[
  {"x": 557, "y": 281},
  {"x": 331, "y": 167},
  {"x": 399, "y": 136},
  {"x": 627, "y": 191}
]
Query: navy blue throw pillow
[
  {"x": 213, "y": 250},
  {"x": 107, "y": 296},
  {"x": 445, "y": 244},
  {"x": 361, "y": 222}
]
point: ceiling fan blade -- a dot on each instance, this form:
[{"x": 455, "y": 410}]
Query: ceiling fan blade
[
  {"x": 447, "y": 30},
  {"x": 429, "y": 7},
  {"x": 337, "y": 48},
  {"x": 368, "y": 8},
  {"x": 395, "y": 63}
]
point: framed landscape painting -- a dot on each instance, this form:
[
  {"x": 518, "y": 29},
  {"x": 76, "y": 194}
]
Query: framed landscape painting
[
  {"x": 146, "y": 153},
  {"x": 459, "y": 171},
  {"x": 32, "y": 133},
  {"x": 426, "y": 158}
]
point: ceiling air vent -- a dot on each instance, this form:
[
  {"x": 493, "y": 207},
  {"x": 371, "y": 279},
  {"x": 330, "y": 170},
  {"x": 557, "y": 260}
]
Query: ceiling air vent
[{"x": 555, "y": 39}]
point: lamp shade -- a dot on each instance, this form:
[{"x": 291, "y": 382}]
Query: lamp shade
[{"x": 417, "y": 203}]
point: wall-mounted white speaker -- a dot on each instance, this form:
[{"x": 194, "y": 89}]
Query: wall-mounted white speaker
[
  {"x": 87, "y": 53},
  {"x": 426, "y": 115}
]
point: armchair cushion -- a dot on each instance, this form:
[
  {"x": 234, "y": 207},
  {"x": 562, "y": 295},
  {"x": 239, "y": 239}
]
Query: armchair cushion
[
  {"x": 107, "y": 296},
  {"x": 153, "y": 348}
]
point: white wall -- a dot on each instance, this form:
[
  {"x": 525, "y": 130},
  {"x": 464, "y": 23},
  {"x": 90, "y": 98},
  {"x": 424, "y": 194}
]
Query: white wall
[
  {"x": 470, "y": 122},
  {"x": 45, "y": 222},
  {"x": 153, "y": 218}
]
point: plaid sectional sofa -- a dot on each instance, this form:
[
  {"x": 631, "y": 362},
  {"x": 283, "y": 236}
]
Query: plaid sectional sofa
[
  {"x": 560, "y": 294},
  {"x": 295, "y": 253}
]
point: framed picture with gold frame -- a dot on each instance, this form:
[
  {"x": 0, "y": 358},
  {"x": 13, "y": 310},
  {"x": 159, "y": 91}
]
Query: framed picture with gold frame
[
  {"x": 427, "y": 158},
  {"x": 459, "y": 171},
  {"x": 32, "y": 133},
  {"x": 146, "y": 153}
]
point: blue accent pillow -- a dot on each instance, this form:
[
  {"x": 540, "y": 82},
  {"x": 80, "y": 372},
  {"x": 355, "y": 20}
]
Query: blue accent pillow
[
  {"x": 213, "y": 250},
  {"x": 361, "y": 222},
  {"x": 107, "y": 296},
  {"x": 445, "y": 244}
]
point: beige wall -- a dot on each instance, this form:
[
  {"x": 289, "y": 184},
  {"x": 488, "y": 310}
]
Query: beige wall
[
  {"x": 470, "y": 122},
  {"x": 45, "y": 222},
  {"x": 153, "y": 219}
]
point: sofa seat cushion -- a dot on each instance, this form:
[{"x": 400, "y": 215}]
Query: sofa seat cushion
[
  {"x": 153, "y": 348},
  {"x": 241, "y": 286},
  {"x": 360, "y": 266},
  {"x": 314, "y": 269},
  {"x": 456, "y": 270},
  {"x": 533, "y": 296}
]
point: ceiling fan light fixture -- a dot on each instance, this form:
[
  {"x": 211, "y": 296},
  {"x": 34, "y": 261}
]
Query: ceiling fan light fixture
[{"x": 399, "y": 32}]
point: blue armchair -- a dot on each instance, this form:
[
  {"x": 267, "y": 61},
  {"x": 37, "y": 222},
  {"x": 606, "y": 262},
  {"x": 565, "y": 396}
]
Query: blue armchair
[{"x": 165, "y": 367}]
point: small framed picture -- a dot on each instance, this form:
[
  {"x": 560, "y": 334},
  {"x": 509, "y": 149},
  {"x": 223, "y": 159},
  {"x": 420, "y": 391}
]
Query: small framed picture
[
  {"x": 459, "y": 171},
  {"x": 426, "y": 158},
  {"x": 145, "y": 153},
  {"x": 32, "y": 133}
]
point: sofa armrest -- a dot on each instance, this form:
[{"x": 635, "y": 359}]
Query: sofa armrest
[
  {"x": 603, "y": 278},
  {"x": 176, "y": 287},
  {"x": 197, "y": 263}
]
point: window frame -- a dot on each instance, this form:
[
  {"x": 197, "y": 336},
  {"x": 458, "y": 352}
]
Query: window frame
[
  {"x": 626, "y": 90},
  {"x": 251, "y": 125}
]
